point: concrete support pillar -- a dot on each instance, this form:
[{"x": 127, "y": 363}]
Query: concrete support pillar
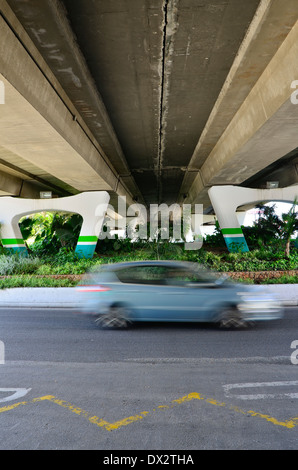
[
  {"x": 226, "y": 199},
  {"x": 91, "y": 206},
  {"x": 11, "y": 235},
  {"x": 93, "y": 209}
]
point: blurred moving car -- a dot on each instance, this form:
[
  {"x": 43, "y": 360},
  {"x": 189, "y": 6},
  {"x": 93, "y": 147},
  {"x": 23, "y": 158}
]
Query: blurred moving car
[{"x": 171, "y": 291}]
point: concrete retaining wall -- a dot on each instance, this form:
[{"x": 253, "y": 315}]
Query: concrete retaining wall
[{"x": 69, "y": 297}]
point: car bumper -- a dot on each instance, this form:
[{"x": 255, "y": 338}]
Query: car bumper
[{"x": 261, "y": 311}]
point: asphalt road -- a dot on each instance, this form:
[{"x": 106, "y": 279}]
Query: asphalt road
[{"x": 64, "y": 384}]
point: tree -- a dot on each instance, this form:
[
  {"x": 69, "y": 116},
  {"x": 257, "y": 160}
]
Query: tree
[
  {"x": 270, "y": 227},
  {"x": 269, "y": 224},
  {"x": 289, "y": 226}
]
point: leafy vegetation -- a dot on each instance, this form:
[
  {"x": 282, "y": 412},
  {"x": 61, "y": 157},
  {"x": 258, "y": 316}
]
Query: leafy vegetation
[
  {"x": 46, "y": 233},
  {"x": 272, "y": 230},
  {"x": 34, "y": 281},
  {"x": 66, "y": 263},
  {"x": 51, "y": 239},
  {"x": 269, "y": 231}
]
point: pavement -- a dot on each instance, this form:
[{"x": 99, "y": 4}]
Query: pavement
[{"x": 69, "y": 297}]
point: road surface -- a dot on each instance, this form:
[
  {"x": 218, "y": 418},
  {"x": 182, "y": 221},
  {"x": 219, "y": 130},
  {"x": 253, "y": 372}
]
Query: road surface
[{"x": 65, "y": 384}]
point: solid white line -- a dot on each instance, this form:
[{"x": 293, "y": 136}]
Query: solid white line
[
  {"x": 261, "y": 384},
  {"x": 257, "y": 396}
]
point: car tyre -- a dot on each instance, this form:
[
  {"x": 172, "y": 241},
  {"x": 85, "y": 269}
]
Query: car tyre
[
  {"x": 231, "y": 319},
  {"x": 116, "y": 318}
]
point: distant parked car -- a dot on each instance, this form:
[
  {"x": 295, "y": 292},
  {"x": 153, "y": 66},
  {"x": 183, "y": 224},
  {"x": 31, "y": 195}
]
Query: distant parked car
[{"x": 171, "y": 291}]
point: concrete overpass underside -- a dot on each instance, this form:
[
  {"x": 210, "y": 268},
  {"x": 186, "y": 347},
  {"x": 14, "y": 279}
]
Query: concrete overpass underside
[{"x": 155, "y": 100}]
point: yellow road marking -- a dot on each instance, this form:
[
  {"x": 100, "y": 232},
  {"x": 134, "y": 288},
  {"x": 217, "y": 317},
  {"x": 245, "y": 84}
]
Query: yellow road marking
[
  {"x": 11, "y": 407},
  {"x": 289, "y": 424}
]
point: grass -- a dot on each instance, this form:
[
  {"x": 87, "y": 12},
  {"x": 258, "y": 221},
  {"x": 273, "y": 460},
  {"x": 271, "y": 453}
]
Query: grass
[
  {"x": 52, "y": 271},
  {"x": 286, "y": 279},
  {"x": 27, "y": 280}
]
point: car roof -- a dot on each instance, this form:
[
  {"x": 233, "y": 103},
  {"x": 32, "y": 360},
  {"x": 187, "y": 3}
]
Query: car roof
[{"x": 166, "y": 263}]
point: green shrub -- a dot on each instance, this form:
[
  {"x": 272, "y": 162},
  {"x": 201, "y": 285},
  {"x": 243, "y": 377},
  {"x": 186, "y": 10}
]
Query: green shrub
[
  {"x": 44, "y": 270},
  {"x": 65, "y": 262},
  {"x": 15, "y": 264},
  {"x": 34, "y": 281},
  {"x": 286, "y": 279},
  {"x": 47, "y": 232}
]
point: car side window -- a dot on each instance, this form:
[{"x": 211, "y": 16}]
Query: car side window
[
  {"x": 184, "y": 277},
  {"x": 153, "y": 275}
]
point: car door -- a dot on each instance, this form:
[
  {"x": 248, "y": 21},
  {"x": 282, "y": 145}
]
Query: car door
[
  {"x": 159, "y": 293},
  {"x": 142, "y": 288},
  {"x": 189, "y": 295}
]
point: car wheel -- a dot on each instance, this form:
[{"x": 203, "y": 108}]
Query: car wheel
[
  {"x": 231, "y": 318},
  {"x": 115, "y": 318}
]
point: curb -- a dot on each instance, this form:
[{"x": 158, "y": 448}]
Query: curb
[
  {"x": 42, "y": 297},
  {"x": 287, "y": 293},
  {"x": 69, "y": 297}
]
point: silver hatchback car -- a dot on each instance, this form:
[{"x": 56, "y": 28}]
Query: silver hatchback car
[{"x": 172, "y": 291}]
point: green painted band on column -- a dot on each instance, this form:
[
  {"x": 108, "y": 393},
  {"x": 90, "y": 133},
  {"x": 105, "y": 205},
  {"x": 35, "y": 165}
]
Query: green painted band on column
[
  {"x": 12, "y": 241},
  {"x": 235, "y": 239},
  {"x": 231, "y": 231},
  {"x": 15, "y": 245},
  {"x": 86, "y": 246},
  {"x": 87, "y": 238}
]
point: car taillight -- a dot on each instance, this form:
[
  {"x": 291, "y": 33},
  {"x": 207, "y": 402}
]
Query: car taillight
[{"x": 96, "y": 288}]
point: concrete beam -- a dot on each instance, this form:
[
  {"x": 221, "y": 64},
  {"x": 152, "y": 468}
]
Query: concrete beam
[
  {"x": 39, "y": 123},
  {"x": 264, "y": 128},
  {"x": 52, "y": 27},
  {"x": 13, "y": 186},
  {"x": 10, "y": 185},
  {"x": 91, "y": 206}
]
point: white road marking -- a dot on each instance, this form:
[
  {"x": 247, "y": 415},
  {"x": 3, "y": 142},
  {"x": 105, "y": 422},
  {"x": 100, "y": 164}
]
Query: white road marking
[
  {"x": 256, "y": 396},
  {"x": 18, "y": 393},
  {"x": 2, "y": 352}
]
